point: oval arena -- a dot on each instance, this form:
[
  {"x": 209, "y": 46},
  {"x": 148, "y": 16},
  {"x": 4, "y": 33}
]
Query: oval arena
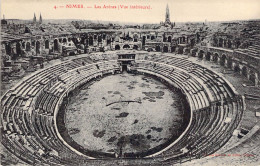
[{"x": 34, "y": 109}]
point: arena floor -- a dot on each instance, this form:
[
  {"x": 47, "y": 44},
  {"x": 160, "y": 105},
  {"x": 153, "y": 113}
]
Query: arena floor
[{"x": 124, "y": 113}]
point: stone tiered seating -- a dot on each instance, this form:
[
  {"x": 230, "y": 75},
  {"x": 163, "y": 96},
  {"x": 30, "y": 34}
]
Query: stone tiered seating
[
  {"x": 29, "y": 108},
  {"x": 208, "y": 130}
]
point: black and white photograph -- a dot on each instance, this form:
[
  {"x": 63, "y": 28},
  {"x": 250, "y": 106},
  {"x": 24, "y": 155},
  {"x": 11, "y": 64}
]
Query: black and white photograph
[{"x": 130, "y": 82}]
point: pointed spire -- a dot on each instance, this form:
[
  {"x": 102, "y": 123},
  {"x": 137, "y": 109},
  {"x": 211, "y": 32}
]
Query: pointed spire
[
  {"x": 34, "y": 18},
  {"x": 167, "y": 15},
  {"x": 40, "y": 20}
]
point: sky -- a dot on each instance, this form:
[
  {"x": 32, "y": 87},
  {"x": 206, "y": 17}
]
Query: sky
[{"x": 180, "y": 10}]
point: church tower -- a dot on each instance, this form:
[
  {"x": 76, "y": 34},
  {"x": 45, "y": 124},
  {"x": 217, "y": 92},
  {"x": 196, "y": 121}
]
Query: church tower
[
  {"x": 167, "y": 15},
  {"x": 34, "y": 19},
  {"x": 40, "y": 20}
]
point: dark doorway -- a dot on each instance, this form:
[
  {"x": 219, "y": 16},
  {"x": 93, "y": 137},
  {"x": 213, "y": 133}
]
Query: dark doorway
[{"x": 124, "y": 67}]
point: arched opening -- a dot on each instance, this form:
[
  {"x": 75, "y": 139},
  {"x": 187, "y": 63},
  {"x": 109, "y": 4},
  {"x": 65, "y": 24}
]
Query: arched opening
[
  {"x": 135, "y": 47},
  {"x": 200, "y": 54},
  {"x": 229, "y": 62},
  {"x": 64, "y": 40},
  {"x": 82, "y": 40},
  {"x": 208, "y": 56},
  {"x": 236, "y": 68},
  {"x": 117, "y": 47},
  {"x": 27, "y": 46},
  {"x": 169, "y": 39},
  {"x": 158, "y": 48},
  {"x": 173, "y": 49},
  {"x": 109, "y": 41},
  {"x": 149, "y": 49},
  {"x": 152, "y": 37},
  {"x": 23, "y": 45},
  {"x": 220, "y": 42},
  {"x": 135, "y": 38},
  {"x": 244, "y": 71},
  {"x": 165, "y": 49},
  {"x": 99, "y": 38},
  {"x": 8, "y": 49},
  {"x": 47, "y": 44},
  {"x": 252, "y": 77},
  {"x": 186, "y": 51},
  {"x": 38, "y": 45},
  {"x": 180, "y": 50},
  {"x": 91, "y": 41},
  {"x": 223, "y": 60},
  {"x": 104, "y": 36},
  {"x": 56, "y": 45},
  {"x": 229, "y": 43},
  {"x": 126, "y": 46},
  {"x": 71, "y": 53},
  {"x": 18, "y": 49},
  {"x": 143, "y": 42},
  {"x": 215, "y": 57}
]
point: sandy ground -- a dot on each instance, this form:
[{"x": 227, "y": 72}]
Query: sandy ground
[{"x": 99, "y": 118}]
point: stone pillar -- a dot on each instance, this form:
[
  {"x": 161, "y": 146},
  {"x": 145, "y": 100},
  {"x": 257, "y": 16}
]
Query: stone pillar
[
  {"x": 226, "y": 62},
  {"x": 256, "y": 79},
  {"x": 248, "y": 74}
]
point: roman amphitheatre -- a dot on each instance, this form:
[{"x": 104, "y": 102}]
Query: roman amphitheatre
[{"x": 183, "y": 94}]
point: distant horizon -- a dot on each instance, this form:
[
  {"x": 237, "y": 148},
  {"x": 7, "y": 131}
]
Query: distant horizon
[
  {"x": 180, "y": 10},
  {"x": 44, "y": 20}
]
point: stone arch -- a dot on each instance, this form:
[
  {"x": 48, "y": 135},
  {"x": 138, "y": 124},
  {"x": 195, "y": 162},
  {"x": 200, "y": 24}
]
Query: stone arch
[
  {"x": 208, "y": 56},
  {"x": 28, "y": 46},
  {"x": 64, "y": 40},
  {"x": 229, "y": 62},
  {"x": 215, "y": 57},
  {"x": 180, "y": 50},
  {"x": 158, "y": 48},
  {"x": 236, "y": 68},
  {"x": 56, "y": 45},
  {"x": 150, "y": 49},
  {"x": 99, "y": 38},
  {"x": 201, "y": 54},
  {"x": 252, "y": 76},
  {"x": 169, "y": 38},
  {"x": 117, "y": 47},
  {"x": 186, "y": 51},
  {"x": 23, "y": 45},
  {"x": 244, "y": 71},
  {"x": 223, "y": 60},
  {"x": 135, "y": 47},
  {"x": 18, "y": 48},
  {"x": 47, "y": 45},
  {"x": 91, "y": 41},
  {"x": 173, "y": 48},
  {"x": 135, "y": 37},
  {"x": 152, "y": 37},
  {"x": 220, "y": 42},
  {"x": 109, "y": 41},
  {"x": 165, "y": 49},
  {"x": 8, "y": 49},
  {"x": 38, "y": 47},
  {"x": 104, "y": 36},
  {"x": 126, "y": 46}
]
